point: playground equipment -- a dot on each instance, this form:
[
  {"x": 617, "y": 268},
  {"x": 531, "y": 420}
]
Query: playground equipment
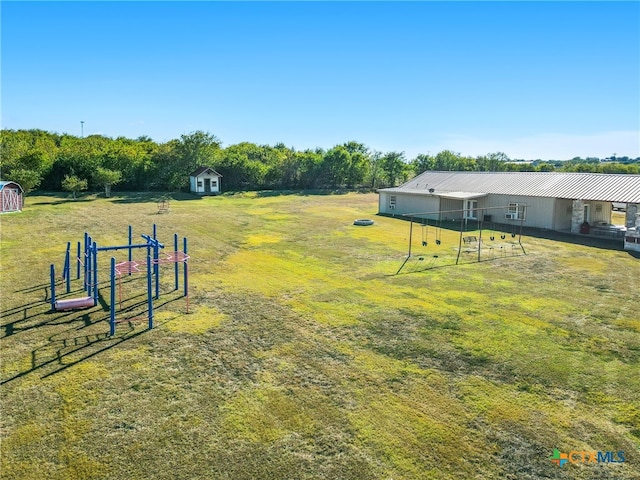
[
  {"x": 470, "y": 243},
  {"x": 89, "y": 263},
  {"x": 163, "y": 205}
]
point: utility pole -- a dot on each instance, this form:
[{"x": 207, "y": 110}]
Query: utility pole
[{"x": 81, "y": 128}]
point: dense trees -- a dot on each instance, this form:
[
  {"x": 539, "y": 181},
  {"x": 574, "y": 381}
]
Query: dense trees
[{"x": 49, "y": 161}]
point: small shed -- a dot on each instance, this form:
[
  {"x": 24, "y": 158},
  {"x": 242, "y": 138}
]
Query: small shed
[
  {"x": 205, "y": 181},
  {"x": 11, "y": 197}
]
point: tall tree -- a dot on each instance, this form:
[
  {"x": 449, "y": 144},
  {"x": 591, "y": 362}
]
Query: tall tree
[
  {"x": 104, "y": 177},
  {"x": 311, "y": 168},
  {"x": 336, "y": 164},
  {"x": 27, "y": 156},
  {"x": 375, "y": 169},
  {"x": 358, "y": 163},
  {"x": 422, "y": 163},
  {"x": 190, "y": 152},
  {"x": 393, "y": 165},
  {"x": 73, "y": 184},
  {"x": 244, "y": 165}
]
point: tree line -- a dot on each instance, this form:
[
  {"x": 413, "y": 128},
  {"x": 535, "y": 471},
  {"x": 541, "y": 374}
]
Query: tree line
[{"x": 42, "y": 160}]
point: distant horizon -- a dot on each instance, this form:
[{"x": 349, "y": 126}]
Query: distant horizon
[{"x": 535, "y": 80}]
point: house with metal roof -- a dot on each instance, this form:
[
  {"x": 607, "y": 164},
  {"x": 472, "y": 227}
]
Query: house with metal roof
[
  {"x": 11, "y": 199},
  {"x": 559, "y": 201},
  {"x": 205, "y": 181}
]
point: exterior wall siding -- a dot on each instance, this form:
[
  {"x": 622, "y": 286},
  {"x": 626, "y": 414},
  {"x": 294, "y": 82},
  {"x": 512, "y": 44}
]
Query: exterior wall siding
[
  {"x": 197, "y": 184},
  {"x": 547, "y": 213},
  {"x": 563, "y": 214},
  {"x": 407, "y": 203},
  {"x": 539, "y": 211},
  {"x": 449, "y": 205}
]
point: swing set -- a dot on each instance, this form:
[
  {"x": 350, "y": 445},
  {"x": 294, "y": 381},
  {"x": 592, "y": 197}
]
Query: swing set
[
  {"x": 433, "y": 223},
  {"x": 425, "y": 232}
]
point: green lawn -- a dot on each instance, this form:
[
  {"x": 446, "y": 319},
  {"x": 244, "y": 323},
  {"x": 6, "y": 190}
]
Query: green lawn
[{"x": 303, "y": 356}]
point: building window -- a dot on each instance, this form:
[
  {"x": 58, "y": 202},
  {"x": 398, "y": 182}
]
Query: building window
[
  {"x": 392, "y": 202},
  {"x": 199, "y": 183},
  {"x": 214, "y": 183},
  {"x": 516, "y": 211}
]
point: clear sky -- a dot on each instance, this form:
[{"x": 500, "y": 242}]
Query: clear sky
[{"x": 548, "y": 80}]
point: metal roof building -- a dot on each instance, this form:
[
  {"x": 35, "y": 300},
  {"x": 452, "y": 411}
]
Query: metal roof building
[
  {"x": 550, "y": 200},
  {"x": 586, "y": 186}
]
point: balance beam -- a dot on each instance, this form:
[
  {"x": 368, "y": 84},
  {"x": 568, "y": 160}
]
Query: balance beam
[{"x": 74, "y": 303}]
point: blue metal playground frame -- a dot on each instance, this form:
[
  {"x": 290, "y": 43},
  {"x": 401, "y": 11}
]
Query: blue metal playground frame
[{"x": 90, "y": 271}]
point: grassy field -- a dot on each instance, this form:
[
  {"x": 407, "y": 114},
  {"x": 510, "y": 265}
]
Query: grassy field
[{"x": 303, "y": 356}]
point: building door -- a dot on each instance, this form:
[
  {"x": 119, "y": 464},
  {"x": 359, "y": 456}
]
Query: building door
[
  {"x": 207, "y": 184},
  {"x": 586, "y": 212},
  {"x": 471, "y": 209}
]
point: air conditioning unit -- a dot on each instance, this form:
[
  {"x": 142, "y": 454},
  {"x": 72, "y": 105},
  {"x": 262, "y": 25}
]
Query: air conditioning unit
[{"x": 511, "y": 216}]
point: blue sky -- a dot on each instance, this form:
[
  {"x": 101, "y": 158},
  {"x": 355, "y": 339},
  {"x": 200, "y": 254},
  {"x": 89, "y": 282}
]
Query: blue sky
[{"x": 549, "y": 80}]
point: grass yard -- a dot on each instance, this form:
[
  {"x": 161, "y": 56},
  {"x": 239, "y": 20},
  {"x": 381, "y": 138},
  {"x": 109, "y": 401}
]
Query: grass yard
[{"x": 304, "y": 357}]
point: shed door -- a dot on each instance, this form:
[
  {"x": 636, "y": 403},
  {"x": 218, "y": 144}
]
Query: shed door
[
  {"x": 207, "y": 184},
  {"x": 10, "y": 200}
]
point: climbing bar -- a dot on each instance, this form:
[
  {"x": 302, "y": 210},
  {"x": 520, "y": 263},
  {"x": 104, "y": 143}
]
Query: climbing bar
[{"x": 128, "y": 267}]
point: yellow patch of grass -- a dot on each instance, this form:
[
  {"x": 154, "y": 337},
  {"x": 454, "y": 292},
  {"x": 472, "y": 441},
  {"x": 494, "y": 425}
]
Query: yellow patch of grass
[
  {"x": 199, "y": 278},
  {"x": 15, "y": 366},
  {"x": 78, "y": 464},
  {"x": 412, "y": 442},
  {"x": 199, "y": 320},
  {"x": 136, "y": 358},
  {"x": 260, "y": 239},
  {"x": 276, "y": 217},
  {"x": 593, "y": 264},
  {"x": 265, "y": 415},
  {"x": 77, "y": 391},
  {"x": 270, "y": 274},
  {"x": 25, "y": 435},
  {"x": 377, "y": 366},
  {"x": 492, "y": 401},
  {"x": 631, "y": 324},
  {"x": 71, "y": 384},
  {"x": 19, "y": 469}
]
